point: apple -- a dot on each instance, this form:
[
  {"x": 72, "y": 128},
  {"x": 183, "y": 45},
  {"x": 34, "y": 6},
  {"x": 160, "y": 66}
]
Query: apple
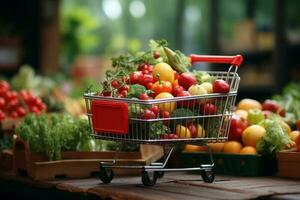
[
  {"x": 270, "y": 105},
  {"x": 193, "y": 129},
  {"x": 186, "y": 80},
  {"x": 208, "y": 109},
  {"x": 220, "y": 86},
  {"x": 196, "y": 90},
  {"x": 237, "y": 126}
]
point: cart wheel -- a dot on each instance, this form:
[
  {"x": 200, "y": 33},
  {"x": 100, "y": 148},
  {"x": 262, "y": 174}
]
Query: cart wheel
[
  {"x": 208, "y": 176},
  {"x": 160, "y": 174},
  {"x": 106, "y": 174},
  {"x": 149, "y": 178}
]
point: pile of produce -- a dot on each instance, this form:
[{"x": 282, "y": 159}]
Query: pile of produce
[
  {"x": 50, "y": 135},
  {"x": 162, "y": 73},
  {"x": 15, "y": 104}
]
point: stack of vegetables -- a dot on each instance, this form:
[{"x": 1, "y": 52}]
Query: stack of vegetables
[{"x": 163, "y": 73}]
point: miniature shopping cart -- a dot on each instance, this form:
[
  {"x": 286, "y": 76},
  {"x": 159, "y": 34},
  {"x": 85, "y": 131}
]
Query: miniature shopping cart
[{"x": 123, "y": 120}]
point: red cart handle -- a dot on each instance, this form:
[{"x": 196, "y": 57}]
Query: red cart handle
[{"x": 233, "y": 60}]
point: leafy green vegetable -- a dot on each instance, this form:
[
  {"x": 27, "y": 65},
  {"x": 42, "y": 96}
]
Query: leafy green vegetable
[
  {"x": 182, "y": 112},
  {"x": 157, "y": 129},
  {"x": 135, "y": 91},
  {"x": 276, "y": 137},
  {"x": 202, "y": 77},
  {"x": 177, "y": 60},
  {"x": 290, "y": 101}
]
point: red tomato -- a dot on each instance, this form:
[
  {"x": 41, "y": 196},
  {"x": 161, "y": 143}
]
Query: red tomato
[
  {"x": 2, "y": 115},
  {"x": 161, "y": 86},
  {"x": 4, "y": 85},
  {"x": 141, "y": 66},
  {"x": 177, "y": 89},
  {"x": 2, "y": 103},
  {"x": 148, "y": 114},
  {"x": 220, "y": 86},
  {"x": 21, "y": 111},
  {"x": 123, "y": 87},
  {"x": 187, "y": 79},
  {"x": 123, "y": 93},
  {"x": 185, "y": 103},
  {"x": 147, "y": 78},
  {"x": 237, "y": 126},
  {"x": 155, "y": 109},
  {"x": 149, "y": 68},
  {"x": 173, "y": 136},
  {"x": 149, "y": 85},
  {"x": 115, "y": 84},
  {"x": 165, "y": 114},
  {"x": 145, "y": 71},
  {"x": 136, "y": 77},
  {"x": 208, "y": 109},
  {"x": 144, "y": 97},
  {"x": 14, "y": 114}
]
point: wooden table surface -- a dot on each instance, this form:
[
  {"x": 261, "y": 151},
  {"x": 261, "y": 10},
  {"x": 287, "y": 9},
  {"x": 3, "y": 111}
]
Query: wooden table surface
[{"x": 172, "y": 186}]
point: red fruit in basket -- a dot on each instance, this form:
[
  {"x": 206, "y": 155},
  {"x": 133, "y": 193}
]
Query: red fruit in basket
[
  {"x": 2, "y": 102},
  {"x": 147, "y": 78},
  {"x": 136, "y": 77},
  {"x": 4, "y": 86},
  {"x": 123, "y": 93},
  {"x": 193, "y": 129},
  {"x": 156, "y": 54},
  {"x": 141, "y": 66},
  {"x": 237, "y": 126},
  {"x": 184, "y": 103},
  {"x": 270, "y": 105},
  {"x": 298, "y": 124},
  {"x": 149, "y": 68},
  {"x": 208, "y": 109},
  {"x": 21, "y": 111},
  {"x": 186, "y": 80},
  {"x": 177, "y": 89},
  {"x": 144, "y": 96},
  {"x": 145, "y": 71},
  {"x": 155, "y": 109},
  {"x": 106, "y": 93},
  {"x": 2, "y": 115},
  {"x": 123, "y": 87},
  {"x": 149, "y": 85},
  {"x": 172, "y": 136},
  {"x": 115, "y": 84},
  {"x": 148, "y": 114},
  {"x": 220, "y": 86},
  {"x": 14, "y": 114},
  {"x": 161, "y": 86}
]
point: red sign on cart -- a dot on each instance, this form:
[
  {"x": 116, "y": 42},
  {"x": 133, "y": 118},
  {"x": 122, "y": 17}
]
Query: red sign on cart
[{"x": 110, "y": 116}]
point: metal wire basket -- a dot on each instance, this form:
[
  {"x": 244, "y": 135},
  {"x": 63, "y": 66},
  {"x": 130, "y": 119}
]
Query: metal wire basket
[{"x": 126, "y": 120}]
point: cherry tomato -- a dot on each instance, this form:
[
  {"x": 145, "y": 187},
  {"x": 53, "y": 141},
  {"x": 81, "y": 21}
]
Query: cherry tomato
[
  {"x": 149, "y": 85},
  {"x": 220, "y": 86},
  {"x": 145, "y": 71},
  {"x": 149, "y": 68},
  {"x": 21, "y": 111},
  {"x": 115, "y": 84},
  {"x": 165, "y": 114},
  {"x": 2, "y": 115},
  {"x": 144, "y": 96},
  {"x": 208, "y": 109},
  {"x": 14, "y": 114},
  {"x": 106, "y": 93},
  {"x": 161, "y": 86},
  {"x": 42, "y": 106},
  {"x": 141, "y": 66},
  {"x": 177, "y": 89},
  {"x": 123, "y": 87},
  {"x": 136, "y": 77},
  {"x": 155, "y": 109},
  {"x": 156, "y": 54},
  {"x": 147, "y": 78},
  {"x": 123, "y": 93},
  {"x": 4, "y": 85},
  {"x": 2, "y": 102},
  {"x": 148, "y": 114},
  {"x": 173, "y": 136}
]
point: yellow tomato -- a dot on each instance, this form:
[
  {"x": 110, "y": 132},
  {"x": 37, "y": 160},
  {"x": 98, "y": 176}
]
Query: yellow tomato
[
  {"x": 168, "y": 106},
  {"x": 164, "y": 71}
]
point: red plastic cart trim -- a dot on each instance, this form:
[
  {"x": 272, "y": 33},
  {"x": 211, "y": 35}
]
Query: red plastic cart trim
[
  {"x": 110, "y": 116},
  {"x": 233, "y": 60}
]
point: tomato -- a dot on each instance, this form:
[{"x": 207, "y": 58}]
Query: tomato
[
  {"x": 149, "y": 85},
  {"x": 14, "y": 114},
  {"x": 165, "y": 114},
  {"x": 21, "y": 111},
  {"x": 123, "y": 93},
  {"x": 148, "y": 114},
  {"x": 208, "y": 109},
  {"x": 173, "y": 136},
  {"x": 156, "y": 54},
  {"x": 155, "y": 109},
  {"x": 186, "y": 80},
  {"x": 136, "y": 77},
  {"x": 2, "y": 115},
  {"x": 141, "y": 66},
  {"x": 149, "y": 68},
  {"x": 185, "y": 103},
  {"x": 164, "y": 72},
  {"x": 220, "y": 86},
  {"x": 4, "y": 85},
  {"x": 115, "y": 84},
  {"x": 177, "y": 89},
  {"x": 145, "y": 71},
  {"x": 147, "y": 78},
  {"x": 161, "y": 86},
  {"x": 123, "y": 87},
  {"x": 144, "y": 96},
  {"x": 2, "y": 102},
  {"x": 106, "y": 93},
  {"x": 237, "y": 126}
]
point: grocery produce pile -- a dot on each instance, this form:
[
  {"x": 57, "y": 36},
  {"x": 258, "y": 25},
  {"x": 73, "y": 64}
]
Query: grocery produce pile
[{"x": 162, "y": 73}]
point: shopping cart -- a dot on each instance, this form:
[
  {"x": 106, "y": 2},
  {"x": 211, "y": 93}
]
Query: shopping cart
[{"x": 123, "y": 120}]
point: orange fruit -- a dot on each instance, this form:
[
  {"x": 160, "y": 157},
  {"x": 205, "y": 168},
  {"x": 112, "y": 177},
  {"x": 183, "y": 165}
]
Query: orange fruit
[
  {"x": 232, "y": 147},
  {"x": 194, "y": 148},
  {"x": 252, "y": 134},
  {"x": 165, "y": 72},
  {"x": 216, "y": 147},
  {"x": 294, "y": 135},
  {"x": 248, "y": 150},
  {"x": 169, "y": 106}
]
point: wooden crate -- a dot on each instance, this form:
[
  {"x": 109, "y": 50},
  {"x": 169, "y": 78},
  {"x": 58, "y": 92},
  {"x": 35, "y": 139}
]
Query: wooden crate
[
  {"x": 289, "y": 163},
  {"x": 78, "y": 164},
  {"x": 6, "y": 159}
]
